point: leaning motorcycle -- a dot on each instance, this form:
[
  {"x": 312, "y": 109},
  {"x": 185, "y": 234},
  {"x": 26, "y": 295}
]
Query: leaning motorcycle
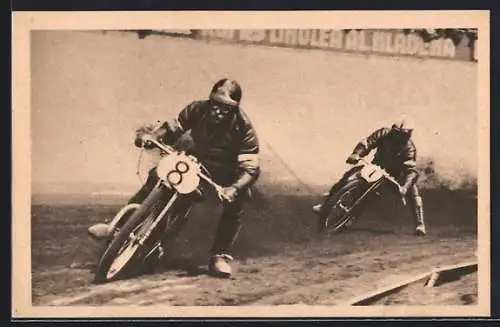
[
  {"x": 341, "y": 207},
  {"x": 141, "y": 231}
]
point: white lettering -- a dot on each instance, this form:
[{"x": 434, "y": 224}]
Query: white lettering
[
  {"x": 412, "y": 44},
  {"x": 219, "y": 34},
  {"x": 362, "y": 46},
  {"x": 276, "y": 36},
  {"x": 336, "y": 38},
  {"x": 252, "y": 35},
  {"x": 475, "y": 54},
  {"x": 378, "y": 40},
  {"x": 449, "y": 49},
  {"x": 245, "y": 35},
  {"x": 178, "y": 32},
  {"x": 291, "y": 37},
  {"x": 423, "y": 49},
  {"x": 351, "y": 40},
  {"x": 436, "y": 48},
  {"x": 400, "y": 44},
  {"x": 320, "y": 38},
  {"x": 388, "y": 43},
  {"x": 363, "y": 41},
  {"x": 304, "y": 37},
  {"x": 205, "y": 33}
]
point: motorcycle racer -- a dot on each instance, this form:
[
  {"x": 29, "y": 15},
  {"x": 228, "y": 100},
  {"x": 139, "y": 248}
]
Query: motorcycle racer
[
  {"x": 397, "y": 154},
  {"x": 226, "y": 143}
]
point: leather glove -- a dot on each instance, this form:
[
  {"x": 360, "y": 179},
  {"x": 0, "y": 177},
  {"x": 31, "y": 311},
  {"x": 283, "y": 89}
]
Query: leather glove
[
  {"x": 139, "y": 143},
  {"x": 229, "y": 193},
  {"x": 140, "y": 132},
  {"x": 353, "y": 159}
]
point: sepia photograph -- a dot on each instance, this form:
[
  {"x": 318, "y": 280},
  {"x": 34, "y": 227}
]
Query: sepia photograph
[{"x": 251, "y": 164}]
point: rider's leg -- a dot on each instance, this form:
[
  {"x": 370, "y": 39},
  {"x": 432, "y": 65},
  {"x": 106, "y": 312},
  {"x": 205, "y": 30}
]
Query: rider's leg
[
  {"x": 417, "y": 208},
  {"x": 102, "y": 230},
  {"x": 226, "y": 234}
]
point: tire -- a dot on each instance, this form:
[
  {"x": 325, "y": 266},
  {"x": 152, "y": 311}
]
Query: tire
[
  {"x": 177, "y": 220},
  {"x": 125, "y": 217},
  {"x": 154, "y": 204},
  {"x": 332, "y": 218}
]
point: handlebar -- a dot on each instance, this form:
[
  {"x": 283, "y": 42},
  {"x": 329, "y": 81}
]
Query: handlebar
[{"x": 170, "y": 150}]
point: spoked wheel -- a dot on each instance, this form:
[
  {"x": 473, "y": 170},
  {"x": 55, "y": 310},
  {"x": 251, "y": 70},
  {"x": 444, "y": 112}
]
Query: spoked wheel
[
  {"x": 127, "y": 251},
  {"x": 124, "y": 254},
  {"x": 125, "y": 216},
  {"x": 338, "y": 212},
  {"x": 170, "y": 229}
]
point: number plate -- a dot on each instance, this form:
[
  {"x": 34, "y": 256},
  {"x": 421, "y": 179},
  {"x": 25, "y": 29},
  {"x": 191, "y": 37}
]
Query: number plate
[
  {"x": 371, "y": 173},
  {"x": 180, "y": 172}
]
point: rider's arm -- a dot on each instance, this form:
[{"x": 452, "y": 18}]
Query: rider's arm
[
  {"x": 173, "y": 129},
  {"x": 248, "y": 158},
  {"x": 369, "y": 143}
]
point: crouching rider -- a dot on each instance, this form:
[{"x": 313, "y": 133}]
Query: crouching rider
[
  {"x": 225, "y": 142},
  {"x": 397, "y": 154}
]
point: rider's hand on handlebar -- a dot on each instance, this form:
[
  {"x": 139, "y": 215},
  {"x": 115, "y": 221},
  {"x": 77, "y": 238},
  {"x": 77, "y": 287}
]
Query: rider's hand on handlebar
[
  {"x": 139, "y": 142},
  {"x": 353, "y": 159},
  {"x": 153, "y": 130},
  {"x": 228, "y": 193},
  {"x": 403, "y": 190}
]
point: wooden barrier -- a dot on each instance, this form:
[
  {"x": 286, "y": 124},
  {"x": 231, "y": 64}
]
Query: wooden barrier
[{"x": 433, "y": 278}]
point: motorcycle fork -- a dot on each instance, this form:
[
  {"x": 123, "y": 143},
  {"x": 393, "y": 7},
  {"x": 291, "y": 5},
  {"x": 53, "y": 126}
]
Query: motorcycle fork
[
  {"x": 370, "y": 189},
  {"x": 158, "y": 219},
  {"x": 160, "y": 244}
]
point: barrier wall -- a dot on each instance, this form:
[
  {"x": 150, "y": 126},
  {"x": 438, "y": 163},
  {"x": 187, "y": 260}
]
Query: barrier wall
[
  {"x": 459, "y": 45},
  {"x": 90, "y": 91}
]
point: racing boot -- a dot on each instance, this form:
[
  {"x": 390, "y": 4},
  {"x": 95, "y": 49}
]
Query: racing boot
[
  {"x": 227, "y": 232},
  {"x": 103, "y": 231},
  {"x": 220, "y": 265},
  {"x": 317, "y": 208},
  {"x": 100, "y": 231},
  {"x": 420, "y": 229}
]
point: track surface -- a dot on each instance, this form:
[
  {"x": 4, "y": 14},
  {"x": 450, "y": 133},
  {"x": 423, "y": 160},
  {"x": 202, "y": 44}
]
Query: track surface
[{"x": 280, "y": 257}]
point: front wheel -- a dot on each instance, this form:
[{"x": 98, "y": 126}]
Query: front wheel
[
  {"x": 340, "y": 208},
  {"x": 125, "y": 252}
]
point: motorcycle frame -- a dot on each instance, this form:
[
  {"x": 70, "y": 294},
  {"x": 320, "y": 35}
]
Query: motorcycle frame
[
  {"x": 374, "y": 185},
  {"x": 370, "y": 189},
  {"x": 159, "y": 218},
  {"x": 146, "y": 233}
]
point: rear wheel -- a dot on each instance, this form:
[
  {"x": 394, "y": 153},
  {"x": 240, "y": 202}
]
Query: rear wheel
[
  {"x": 126, "y": 252},
  {"x": 337, "y": 212}
]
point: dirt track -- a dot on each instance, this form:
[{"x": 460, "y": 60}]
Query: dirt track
[{"x": 289, "y": 265}]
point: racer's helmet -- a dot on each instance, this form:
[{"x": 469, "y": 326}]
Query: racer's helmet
[
  {"x": 224, "y": 99},
  {"x": 404, "y": 125},
  {"x": 226, "y": 91},
  {"x": 402, "y": 129}
]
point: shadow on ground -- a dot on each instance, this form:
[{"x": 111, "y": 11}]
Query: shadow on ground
[{"x": 270, "y": 223}]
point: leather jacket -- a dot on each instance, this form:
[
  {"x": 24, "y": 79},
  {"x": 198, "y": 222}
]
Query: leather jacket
[
  {"x": 397, "y": 156},
  {"x": 231, "y": 152}
]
